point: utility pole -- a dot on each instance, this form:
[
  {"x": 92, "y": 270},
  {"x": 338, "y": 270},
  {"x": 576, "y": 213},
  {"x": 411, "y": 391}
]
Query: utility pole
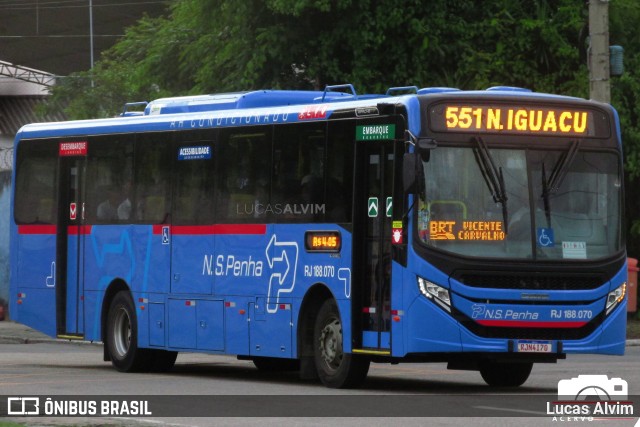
[
  {"x": 599, "y": 84},
  {"x": 91, "y": 38},
  {"x": 91, "y": 32}
]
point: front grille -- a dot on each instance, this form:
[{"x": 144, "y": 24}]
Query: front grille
[
  {"x": 530, "y": 281},
  {"x": 563, "y": 334}
]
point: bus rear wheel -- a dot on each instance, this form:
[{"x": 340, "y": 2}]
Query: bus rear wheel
[
  {"x": 122, "y": 336},
  {"x": 505, "y": 374},
  {"x": 336, "y": 368}
]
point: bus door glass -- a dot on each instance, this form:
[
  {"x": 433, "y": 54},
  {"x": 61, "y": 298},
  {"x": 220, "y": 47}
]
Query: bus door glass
[
  {"x": 33, "y": 263},
  {"x": 192, "y": 243},
  {"x": 373, "y": 210},
  {"x": 71, "y": 233}
]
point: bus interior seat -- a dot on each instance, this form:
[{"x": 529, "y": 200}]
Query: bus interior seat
[
  {"x": 94, "y": 199},
  {"x": 241, "y": 205},
  {"x": 186, "y": 208},
  {"x": 45, "y": 211},
  {"x": 448, "y": 210},
  {"x": 154, "y": 209},
  {"x": 578, "y": 227}
]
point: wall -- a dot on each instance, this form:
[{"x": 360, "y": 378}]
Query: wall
[{"x": 5, "y": 198}]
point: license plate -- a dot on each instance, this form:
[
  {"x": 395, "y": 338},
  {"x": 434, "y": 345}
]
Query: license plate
[{"x": 534, "y": 347}]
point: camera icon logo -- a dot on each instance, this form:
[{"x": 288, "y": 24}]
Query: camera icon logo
[{"x": 593, "y": 388}]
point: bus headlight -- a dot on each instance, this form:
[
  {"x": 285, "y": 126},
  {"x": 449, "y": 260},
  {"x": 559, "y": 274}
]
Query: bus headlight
[
  {"x": 614, "y": 297},
  {"x": 436, "y": 293}
]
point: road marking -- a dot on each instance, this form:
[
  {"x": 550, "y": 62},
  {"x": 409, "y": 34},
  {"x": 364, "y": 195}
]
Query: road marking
[
  {"x": 148, "y": 421},
  {"x": 493, "y": 408}
]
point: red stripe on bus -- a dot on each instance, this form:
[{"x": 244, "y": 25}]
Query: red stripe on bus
[
  {"x": 42, "y": 229},
  {"x": 37, "y": 229},
  {"x": 526, "y": 324},
  {"x": 157, "y": 229},
  {"x": 74, "y": 230},
  {"x": 213, "y": 229}
]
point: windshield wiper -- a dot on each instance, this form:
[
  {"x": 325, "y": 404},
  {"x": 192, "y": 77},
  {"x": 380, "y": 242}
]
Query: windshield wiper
[
  {"x": 493, "y": 177},
  {"x": 558, "y": 174}
]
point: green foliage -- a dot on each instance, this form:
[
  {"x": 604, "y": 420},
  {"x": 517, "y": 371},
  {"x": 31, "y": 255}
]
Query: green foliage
[
  {"x": 624, "y": 16},
  {"x": 227, "y": 45},
  {"x": 142, "y": 66},
  {"x": 625, "y": 90},
  {"x": 232, "y": 45}
]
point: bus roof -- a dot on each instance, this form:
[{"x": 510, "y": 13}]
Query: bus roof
[{"x": 260, "y": 107}]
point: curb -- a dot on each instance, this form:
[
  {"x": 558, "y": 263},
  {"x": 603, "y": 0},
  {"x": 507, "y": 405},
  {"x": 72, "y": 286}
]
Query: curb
[
  {"x": 23, "y": 340},
  {"x": 10, "y": 339},
  {"x": 12, "y": 332}
]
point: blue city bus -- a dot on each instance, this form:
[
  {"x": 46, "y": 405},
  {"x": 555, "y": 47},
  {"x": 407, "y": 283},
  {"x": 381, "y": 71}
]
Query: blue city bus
[{"x": 320, "y": 231}]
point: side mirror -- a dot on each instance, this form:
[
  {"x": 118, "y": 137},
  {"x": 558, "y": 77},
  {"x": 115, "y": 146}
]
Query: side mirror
[
  {"x": 412, "y": 173},
  {"x": 424, "y": 147}
]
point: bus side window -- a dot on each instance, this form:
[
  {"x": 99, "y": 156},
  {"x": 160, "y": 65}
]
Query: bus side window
[
  {"x": 35, "y": 201},
  {"x": 244, "y": 183},
  {"x": 152, "y": 190},
  {"x": 110, "y": 180},
  {"x": 299, "y": 172},
  {"x": 194, "y": 180},
  {"x": 339, "y": 172}
]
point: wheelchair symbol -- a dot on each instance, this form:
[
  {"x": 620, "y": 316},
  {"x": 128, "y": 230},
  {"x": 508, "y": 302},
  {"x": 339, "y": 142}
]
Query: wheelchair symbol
[
  {"x": 545, "y": 237},
  {"x": 165, "y": 236}
]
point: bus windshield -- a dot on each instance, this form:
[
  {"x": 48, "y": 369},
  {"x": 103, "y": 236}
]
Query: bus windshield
[{"x": 528, "y": 203}]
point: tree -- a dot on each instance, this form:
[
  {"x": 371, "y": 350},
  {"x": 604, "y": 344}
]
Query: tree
[
  {"x": 625, "y": 96},
  {"x": 204, "y": 47},
  {"x": 233, "y": 45}
]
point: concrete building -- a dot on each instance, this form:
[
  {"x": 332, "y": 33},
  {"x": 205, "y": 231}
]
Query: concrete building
[
  {"x": 21, "y": 91},
  {"x": 59, "y": 37}
]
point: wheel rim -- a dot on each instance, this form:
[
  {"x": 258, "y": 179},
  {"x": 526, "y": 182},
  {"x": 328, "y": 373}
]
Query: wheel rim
[
  {"x": 331, "y": 344},
  {"x": 122, "y": 332}
]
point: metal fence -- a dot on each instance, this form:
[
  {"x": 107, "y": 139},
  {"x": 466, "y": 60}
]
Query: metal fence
[{"x": 6, "y": 159}]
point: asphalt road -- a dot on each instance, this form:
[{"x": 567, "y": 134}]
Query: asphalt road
[{"x": 241, "y": 395}]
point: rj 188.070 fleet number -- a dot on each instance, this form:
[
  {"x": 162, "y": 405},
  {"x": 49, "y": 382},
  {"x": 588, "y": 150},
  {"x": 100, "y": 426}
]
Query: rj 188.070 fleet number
[{"x": 571, "y": 314}]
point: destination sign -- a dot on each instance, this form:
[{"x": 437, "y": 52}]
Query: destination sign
[
  {"x": 512, "y": 119},
  {"x": 466, "y": 230}
]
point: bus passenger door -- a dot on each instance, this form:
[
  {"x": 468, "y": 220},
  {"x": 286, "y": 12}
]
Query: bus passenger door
[
  {"x": 192, "y": 241},
  {"x": 70, "y": 237},
  {"x": 372, "y": 242}
]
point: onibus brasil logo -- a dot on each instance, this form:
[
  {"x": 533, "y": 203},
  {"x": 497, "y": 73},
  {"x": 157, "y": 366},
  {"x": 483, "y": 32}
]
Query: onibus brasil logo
[{"x": 589, "y": 397}]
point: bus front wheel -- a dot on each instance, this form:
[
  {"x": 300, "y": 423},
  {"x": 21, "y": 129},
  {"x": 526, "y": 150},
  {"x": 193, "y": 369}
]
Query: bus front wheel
[
  {"x": 505, "y": 374},
  {"x": 336, "y": 368},
  {"x": 122, "y": 335}
]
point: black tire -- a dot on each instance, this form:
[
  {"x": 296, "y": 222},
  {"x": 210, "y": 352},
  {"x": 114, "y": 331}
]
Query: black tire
[
  {"x": 505, "y": 374},
  {"x": 336, "y": 369},
  {"x": 276, "y": 364},
  {"x": 122, "y": 336}
]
